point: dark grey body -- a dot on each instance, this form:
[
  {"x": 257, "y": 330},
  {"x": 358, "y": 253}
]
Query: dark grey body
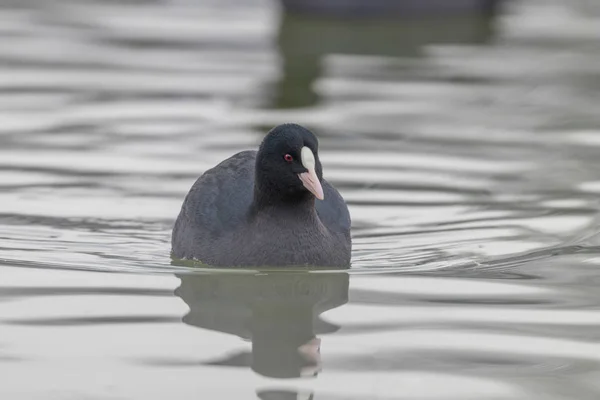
[{"x": 218, "y": 224}]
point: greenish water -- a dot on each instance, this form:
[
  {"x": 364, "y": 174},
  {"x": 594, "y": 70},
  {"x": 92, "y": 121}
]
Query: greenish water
[{"x": 466, "y": 147}]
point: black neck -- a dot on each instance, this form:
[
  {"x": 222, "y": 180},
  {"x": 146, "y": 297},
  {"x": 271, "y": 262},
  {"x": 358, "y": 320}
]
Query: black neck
[{"x": 266, "y": 199}]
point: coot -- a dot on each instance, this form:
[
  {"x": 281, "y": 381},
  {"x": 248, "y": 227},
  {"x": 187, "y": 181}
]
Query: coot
[{"x": 269, "y": 207}]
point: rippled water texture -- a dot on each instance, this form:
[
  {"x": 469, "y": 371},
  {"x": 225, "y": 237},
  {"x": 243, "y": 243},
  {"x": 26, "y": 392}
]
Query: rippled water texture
[{"x": 467, "y": 148}]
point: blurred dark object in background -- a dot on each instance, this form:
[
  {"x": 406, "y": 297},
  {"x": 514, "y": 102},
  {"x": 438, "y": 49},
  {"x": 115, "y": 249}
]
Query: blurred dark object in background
[
  {"x": 387, "y": 7},
  {"x": 305, "y": 39}
]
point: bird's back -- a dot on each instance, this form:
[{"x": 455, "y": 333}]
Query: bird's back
[{"x": 217, "y": 203}]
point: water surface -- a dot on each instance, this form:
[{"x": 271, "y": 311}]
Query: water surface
[{"x": 466, "y": 148}]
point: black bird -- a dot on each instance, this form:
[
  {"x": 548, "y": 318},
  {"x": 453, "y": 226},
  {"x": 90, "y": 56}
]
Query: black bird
[{"x": 266, "y": 208}]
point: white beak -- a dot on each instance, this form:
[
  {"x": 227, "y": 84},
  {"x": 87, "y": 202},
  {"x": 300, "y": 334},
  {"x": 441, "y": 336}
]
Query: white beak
[{"x": 309, "y": 179}]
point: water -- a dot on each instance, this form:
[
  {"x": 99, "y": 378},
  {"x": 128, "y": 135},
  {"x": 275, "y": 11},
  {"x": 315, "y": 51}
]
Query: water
[{"x": 466, "y": 148}]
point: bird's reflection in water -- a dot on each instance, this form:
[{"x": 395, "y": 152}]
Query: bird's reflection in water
[
  {"x": 277, "y": 311},
  {"x": 284, "y": 395}
]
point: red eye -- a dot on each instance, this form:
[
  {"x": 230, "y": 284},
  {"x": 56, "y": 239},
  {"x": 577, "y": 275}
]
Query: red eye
[{"x": 288, "y": 158}]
